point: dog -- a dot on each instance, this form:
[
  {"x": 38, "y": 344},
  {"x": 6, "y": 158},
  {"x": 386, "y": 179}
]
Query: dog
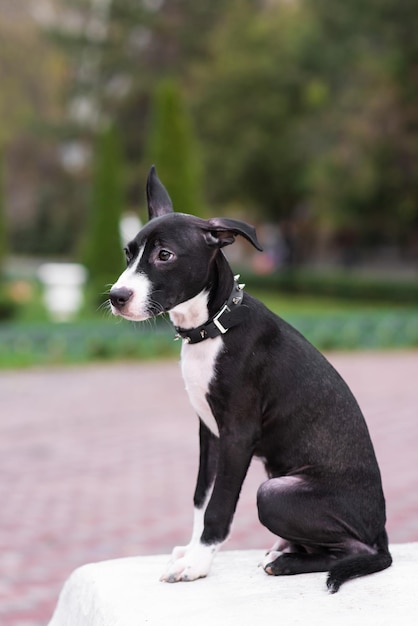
[{"x": 259, "y": 389}]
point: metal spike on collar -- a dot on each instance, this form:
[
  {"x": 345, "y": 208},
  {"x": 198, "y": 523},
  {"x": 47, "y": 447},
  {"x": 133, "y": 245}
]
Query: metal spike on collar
[
  {"x": 241, "y": 286},
  {"x": 236, "y": 277},
  {"x": 177, "y": 336}
]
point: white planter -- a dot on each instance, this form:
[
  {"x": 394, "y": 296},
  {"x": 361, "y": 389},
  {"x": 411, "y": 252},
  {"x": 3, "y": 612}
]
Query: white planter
[{"x": 63, "y": 289}]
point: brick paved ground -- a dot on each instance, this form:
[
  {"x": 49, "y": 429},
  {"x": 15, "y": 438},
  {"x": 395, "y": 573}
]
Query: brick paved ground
[{"x": 99, "y": 462}]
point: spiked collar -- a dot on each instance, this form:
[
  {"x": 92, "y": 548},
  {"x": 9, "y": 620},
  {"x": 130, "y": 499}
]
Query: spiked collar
[{"x": 229, "y": 315}]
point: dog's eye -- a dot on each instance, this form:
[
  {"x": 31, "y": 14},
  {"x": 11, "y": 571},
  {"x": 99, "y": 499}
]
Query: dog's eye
[
  {"x": 164, "y": 255},
  {"x": 128, "y": 255}
]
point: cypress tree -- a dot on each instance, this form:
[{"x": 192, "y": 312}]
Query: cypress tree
[
  {"x": 172, "y": 147},
  {"x": 7, "y": 306},
  {"x": 3, "y": 243},
  {"x": 103, "y": 253}
]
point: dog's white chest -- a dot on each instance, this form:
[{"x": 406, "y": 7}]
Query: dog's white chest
[{"x": 198, "y": 369}]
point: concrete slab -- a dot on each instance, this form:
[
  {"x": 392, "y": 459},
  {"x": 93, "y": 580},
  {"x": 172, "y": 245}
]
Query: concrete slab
[{"x": 127, "y": 592}]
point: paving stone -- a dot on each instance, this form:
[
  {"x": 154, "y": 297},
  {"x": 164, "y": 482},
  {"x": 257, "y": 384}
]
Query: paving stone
[{"x": 99, "y": 462}]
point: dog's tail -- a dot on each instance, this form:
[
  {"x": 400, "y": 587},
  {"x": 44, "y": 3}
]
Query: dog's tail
[{"x": 360, "y": 564}]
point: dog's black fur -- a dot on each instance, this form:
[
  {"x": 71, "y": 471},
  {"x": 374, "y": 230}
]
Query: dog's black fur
[{"x": 273, "y": 395}]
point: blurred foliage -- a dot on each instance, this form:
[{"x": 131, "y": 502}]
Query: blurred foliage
[
  {"x": 3, "y": 237},
  {"x": 251, "y": 101},
  {"x": 118, "y": 52},
  {"x": 26, "y": 58},
  {"x": 103, "y": 255},
  {"x": 173, "y": 148},
  {"x": 7, "y": 306},
  {"x": 32, "y": 75},
  {"x": 306, "y": 113},
  {"x": 306, "y": 108}
]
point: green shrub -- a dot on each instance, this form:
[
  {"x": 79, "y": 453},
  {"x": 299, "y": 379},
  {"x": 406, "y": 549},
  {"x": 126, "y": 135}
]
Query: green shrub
[
  {"x": 103, "y": 255},
  {"x": 3, "y": 241},
  {"x": 24, "y": 344},
  {"x": 8, "y": 308},
  {"x": 172, "y": 147},
  {"x": 345, "y": 286}
]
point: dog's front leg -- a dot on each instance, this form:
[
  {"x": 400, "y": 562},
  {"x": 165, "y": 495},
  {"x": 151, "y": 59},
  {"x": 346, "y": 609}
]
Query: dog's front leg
[
  {"x": 234, "y": 459},
  {"x": 208, "y": 460}
]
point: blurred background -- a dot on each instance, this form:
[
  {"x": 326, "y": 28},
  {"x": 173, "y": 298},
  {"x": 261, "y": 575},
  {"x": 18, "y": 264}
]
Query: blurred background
[{"x": 299, "y": 116}]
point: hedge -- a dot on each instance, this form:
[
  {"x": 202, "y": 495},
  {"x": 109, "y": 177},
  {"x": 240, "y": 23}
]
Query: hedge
[
  {"x": 342, "y": 285},
  {"x": 46, "y": 343}
]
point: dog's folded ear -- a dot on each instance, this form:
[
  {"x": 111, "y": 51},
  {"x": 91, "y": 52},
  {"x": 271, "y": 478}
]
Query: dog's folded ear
[
  {"x": 220, "y": 232},
  {"x": 158, "y": 200}
]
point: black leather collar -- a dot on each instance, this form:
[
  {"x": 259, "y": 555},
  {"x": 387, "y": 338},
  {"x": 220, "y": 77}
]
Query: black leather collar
[{"x": 229, "y": 315}]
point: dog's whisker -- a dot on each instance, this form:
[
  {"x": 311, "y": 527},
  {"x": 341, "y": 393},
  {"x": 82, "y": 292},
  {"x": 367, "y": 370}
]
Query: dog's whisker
[
  {"x": 103, "y": 305},
  {"x": 156, "y": 308},
  {"x": 166, "y": 322},
  {"x": 105, "y": 308}
]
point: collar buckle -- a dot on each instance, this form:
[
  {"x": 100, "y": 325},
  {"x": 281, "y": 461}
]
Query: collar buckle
[{"x": 216, "y": 321}]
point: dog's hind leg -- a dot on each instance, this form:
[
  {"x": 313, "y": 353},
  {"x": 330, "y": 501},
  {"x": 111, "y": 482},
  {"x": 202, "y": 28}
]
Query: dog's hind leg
[
  {"x": 284, "y": 507},
  {"x": 318, "y": 536},
  {"x": 281, "y": 546},
  {"x": 298, "y": 563},
  {"x": 356, "y": 560}
]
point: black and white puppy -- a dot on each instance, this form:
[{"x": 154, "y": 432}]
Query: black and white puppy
[{"x": 259, "y": 388}]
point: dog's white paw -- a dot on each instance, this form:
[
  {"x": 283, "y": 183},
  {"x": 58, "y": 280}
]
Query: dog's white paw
[
  {"x": 194, "y": 564},
  {"x": 281, "y": 546},
  {"x": 178, "y": 552},
  {"x": 269, "y": 558}
]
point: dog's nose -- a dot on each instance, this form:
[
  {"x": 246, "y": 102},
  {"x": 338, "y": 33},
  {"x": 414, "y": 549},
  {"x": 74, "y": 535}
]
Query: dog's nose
[{"x": 119, "y": 296}]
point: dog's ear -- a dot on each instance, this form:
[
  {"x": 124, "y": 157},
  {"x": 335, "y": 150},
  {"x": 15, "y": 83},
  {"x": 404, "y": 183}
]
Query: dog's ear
[
  {"x": 158, "y": 200},
  {"x": 220, "y": 232}
]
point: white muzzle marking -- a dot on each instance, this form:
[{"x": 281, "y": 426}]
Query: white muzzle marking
[{"x": 137, "y": 308}]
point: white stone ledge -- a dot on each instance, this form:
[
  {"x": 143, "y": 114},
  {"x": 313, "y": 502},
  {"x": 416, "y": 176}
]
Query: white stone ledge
[{"x": 127, "y": 592}]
